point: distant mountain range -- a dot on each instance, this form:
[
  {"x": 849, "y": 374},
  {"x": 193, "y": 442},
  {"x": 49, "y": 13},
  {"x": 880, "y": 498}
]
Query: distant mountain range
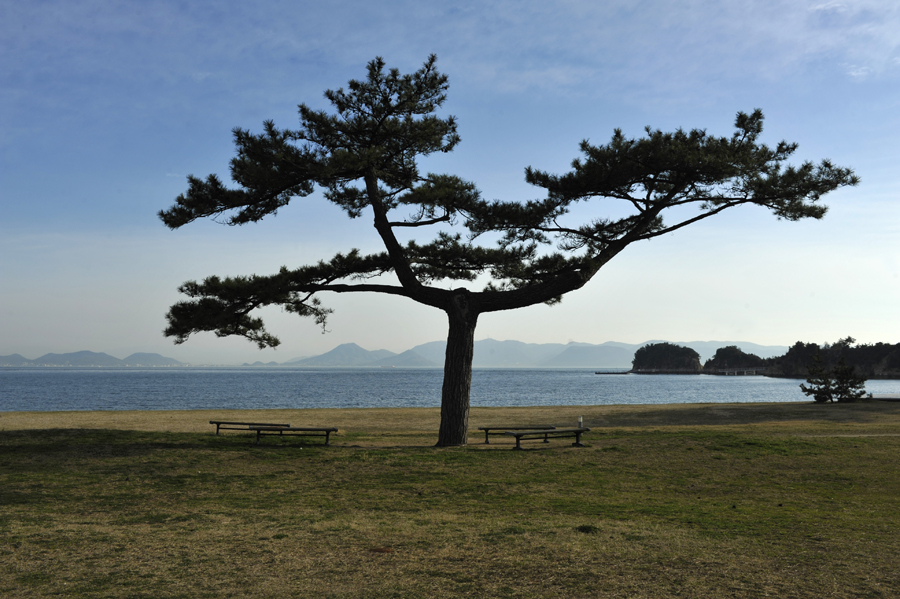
[
  {"x": 89, "y": 358},
  {"x": 489, "y": 353}
]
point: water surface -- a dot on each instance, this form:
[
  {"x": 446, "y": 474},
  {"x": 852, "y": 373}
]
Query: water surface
[{"x": 55, "y": 389}]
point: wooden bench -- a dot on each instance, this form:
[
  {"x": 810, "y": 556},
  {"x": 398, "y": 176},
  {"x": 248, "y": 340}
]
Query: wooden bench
[
  {"x": 500, "y": 430},
  {"x": 552, "y": 434},
  {"x": 300, "y": 431},
  {"x": 242, "y": 426}
]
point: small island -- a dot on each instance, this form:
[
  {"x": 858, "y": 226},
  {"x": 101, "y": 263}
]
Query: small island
[{"x": 666, "y": 358}]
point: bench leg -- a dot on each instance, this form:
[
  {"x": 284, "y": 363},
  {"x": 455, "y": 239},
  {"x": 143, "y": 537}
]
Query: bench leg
[
  {"x": 486, "y": 440},
  {"x": 518, "y": 443},
  {"x": 258, "y": 434},
  {"x": 546, "y": 440},
  {"x": 577, "y": 442},
  {"x": 327, "y": 434}
]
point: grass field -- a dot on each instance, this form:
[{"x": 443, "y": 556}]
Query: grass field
[{"x": 749, "y": 500}]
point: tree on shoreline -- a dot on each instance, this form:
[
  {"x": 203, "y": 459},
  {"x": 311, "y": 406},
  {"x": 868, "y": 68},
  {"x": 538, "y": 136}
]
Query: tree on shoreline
[
  {"x": 821, "y": 383},
  {"x": 841, "y": 383},
  {"x": 848, "y": 385},
  {"x": 364, "y": 156}
]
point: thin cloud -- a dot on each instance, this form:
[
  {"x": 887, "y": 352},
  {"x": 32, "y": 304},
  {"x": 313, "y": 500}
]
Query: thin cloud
[
  {"x": 857, "y": 72},
  {"x": 655, "y": 45}
]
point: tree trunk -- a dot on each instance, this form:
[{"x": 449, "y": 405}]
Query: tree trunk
[{"x": 463, "y": 317}]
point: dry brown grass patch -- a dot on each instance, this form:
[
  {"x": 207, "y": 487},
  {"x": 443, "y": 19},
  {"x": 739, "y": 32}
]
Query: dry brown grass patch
[{"x": 401, "y": 426}]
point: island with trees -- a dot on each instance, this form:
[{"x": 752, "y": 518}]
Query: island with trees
[
  {"x": 669, "y": 358},
  {"x": 870, "y": 361},
  {"x": 666, "y": 358},
  {"x": 873, "y": 361},
  {"x": 731, "y": 360}
]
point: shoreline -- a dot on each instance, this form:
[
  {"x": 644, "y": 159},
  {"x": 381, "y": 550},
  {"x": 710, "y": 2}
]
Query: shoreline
[{"x": 416, "y": 424}]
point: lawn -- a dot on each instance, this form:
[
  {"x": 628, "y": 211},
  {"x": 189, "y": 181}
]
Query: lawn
[{"x": 780, "y": 500}]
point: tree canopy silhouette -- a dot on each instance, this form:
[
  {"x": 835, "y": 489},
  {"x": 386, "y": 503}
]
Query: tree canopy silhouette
[
  {"x": 732, "y": 356},
  {"x": 666, "y": 357},
  {"x": 363, "y": 155}
]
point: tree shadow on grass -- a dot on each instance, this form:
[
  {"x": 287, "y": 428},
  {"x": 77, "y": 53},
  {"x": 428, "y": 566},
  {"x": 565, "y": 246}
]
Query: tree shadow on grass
[{"x": 93, "y": 443}]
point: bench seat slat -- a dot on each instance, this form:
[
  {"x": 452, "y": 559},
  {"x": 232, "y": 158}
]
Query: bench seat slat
[
  {"x": 537, "y": 431},
  {"x": 247, "y": 423},
  {"x": 242, "y": 426},
  {"x": 266, "y": 427},
  {"x": 546, "y": 434},
  {"x": 271, "y": 428},
  {"x": 300, "y": 431},
  {"x": 499, "y": 430}
]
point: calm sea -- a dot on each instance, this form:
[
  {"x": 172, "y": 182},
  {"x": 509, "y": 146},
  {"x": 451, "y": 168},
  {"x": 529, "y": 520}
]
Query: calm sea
[{"x": 55, "y": 389}]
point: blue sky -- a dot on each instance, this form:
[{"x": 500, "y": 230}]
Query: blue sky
[{"x": 106, "y": 107}]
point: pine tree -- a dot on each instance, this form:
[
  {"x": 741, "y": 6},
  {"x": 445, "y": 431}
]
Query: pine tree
[
  {"x": 364, "y": 155},
  {"x": 821, "y": 383},
  {"x": 848, "y": 385}
]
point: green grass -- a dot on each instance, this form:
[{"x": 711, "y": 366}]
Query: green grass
[{"x": 639, "y": 513}]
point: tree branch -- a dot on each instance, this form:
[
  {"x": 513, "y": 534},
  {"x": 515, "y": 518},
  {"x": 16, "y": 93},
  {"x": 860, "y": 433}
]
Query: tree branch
[{"x": 420, "y": 223}]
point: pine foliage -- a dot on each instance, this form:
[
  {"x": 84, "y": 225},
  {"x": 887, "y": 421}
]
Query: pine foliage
[
  {"x": 821, "y": 384},
  {"x": 841, "y": 383},
  {"x": 848, "y": 385}
]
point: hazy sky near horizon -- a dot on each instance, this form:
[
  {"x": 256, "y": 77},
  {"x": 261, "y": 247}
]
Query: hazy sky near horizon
[{"x": 106, "y": 107}]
